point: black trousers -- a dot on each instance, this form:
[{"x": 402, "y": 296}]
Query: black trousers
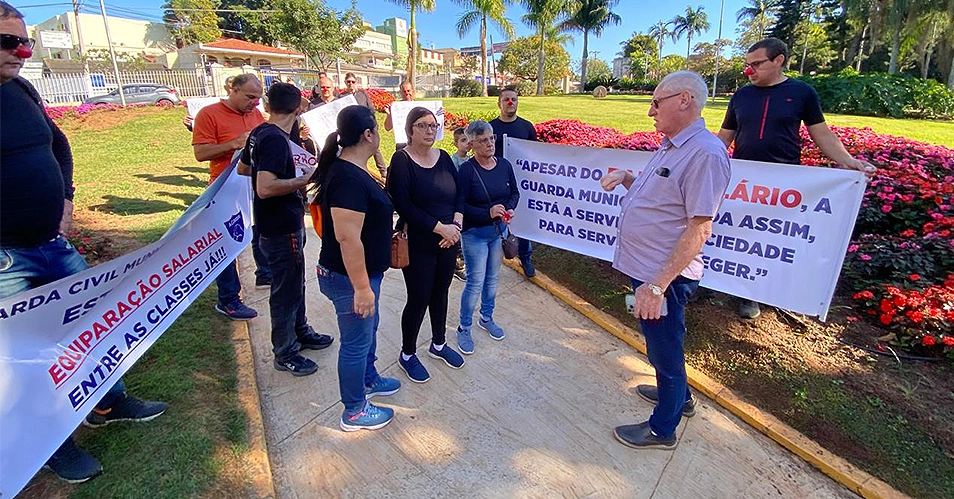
[{"x": 428, "y": 277}]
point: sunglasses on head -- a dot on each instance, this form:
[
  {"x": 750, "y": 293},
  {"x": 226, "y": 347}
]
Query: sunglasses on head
[{"x": 12, "y": 42}]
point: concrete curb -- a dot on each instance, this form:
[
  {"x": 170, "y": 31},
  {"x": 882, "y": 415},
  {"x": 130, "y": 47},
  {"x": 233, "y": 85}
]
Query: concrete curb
[
  {"x": 259, "y": 466},
  {"x": 845, "y": 473}
]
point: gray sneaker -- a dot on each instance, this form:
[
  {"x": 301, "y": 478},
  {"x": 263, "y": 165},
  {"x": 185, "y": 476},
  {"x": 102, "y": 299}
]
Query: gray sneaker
[
  {"x": 749, "y": 309},
  {"x": 650, "y": 394},
  {"x": 464, "y": 341}
]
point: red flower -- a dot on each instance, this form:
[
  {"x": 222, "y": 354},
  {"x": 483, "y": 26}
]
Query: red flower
[
  {"x": 907, "y": 233},
  {"x": 885, "y": 319},
  {"x": 915, "y": 316},
  {"x": 948, "y": 341},
  {"x": 887, "y": 306},
  {"x": 928, "y": 340},
  {"x": 914, "y": 277}
]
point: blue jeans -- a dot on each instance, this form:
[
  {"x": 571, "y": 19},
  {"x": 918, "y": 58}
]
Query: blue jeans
[
  {"x": 286, "y": 259},
  {"x": 664, "y": 347},
  {"x": 482, "y": 258},
  {"x": 22, "y": 269},
  {"x": 524, "y": 249},
  {"x": 356, "y": 352}
]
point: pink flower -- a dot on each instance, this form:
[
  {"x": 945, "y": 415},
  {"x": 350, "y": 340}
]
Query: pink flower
[
  {"x": 865, "y": 258},
  {"x": 852, "y": 248},
  {"x": 886, "y": 208}
]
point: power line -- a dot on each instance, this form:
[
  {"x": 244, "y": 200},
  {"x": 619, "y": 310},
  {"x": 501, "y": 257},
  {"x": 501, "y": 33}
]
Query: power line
[{"x": 38, "y": 5}]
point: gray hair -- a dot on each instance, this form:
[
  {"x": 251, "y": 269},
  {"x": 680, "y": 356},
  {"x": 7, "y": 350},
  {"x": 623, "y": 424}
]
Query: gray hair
[
  {"x": 240, "y": 80},
  {"x": 7, "y": 11},
  {"x": 687, "y": 81},
  {"x": 477, "y": 127}
]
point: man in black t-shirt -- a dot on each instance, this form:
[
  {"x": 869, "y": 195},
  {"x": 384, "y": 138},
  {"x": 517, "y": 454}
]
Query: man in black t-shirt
[
  {"x": 36, "y": 215},
  {"x": 511, "y": 125},
  {"x": 278, "y": 212},
  {"x": 764, "y": 118}
]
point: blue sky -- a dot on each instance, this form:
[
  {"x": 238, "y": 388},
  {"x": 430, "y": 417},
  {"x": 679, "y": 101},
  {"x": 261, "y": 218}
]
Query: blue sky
[{"x": 438, "y": 27}]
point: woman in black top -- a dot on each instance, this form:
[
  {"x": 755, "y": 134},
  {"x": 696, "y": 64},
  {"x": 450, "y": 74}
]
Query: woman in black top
[
  {"x": 423, "y": 186},
  {"x": 487, "y": 192},
  {"x": 355, "y": 252}
]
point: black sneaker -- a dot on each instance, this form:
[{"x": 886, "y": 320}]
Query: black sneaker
[
  {"x": 640, "y": 436},
  {"x": 314, "y": 341},
  {"x": 72, "y": 464},
  {"x": 461, "y": 275},
  {"x": 651, "y": 394},
  {"x": 126, "y": 409},
  {"x": 263, "y": 282},
  {"x": 297, "y": 365}
]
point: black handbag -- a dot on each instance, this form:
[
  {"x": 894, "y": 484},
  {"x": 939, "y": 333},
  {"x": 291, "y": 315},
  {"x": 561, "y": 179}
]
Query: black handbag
[{"x": 509, "y": 242}]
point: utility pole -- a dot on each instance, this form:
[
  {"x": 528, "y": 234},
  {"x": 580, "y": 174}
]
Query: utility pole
[
  {"x": 715, "y": 77},
  {"x": 493, "y": 62},
  {"x": 112, "y": 55},
  {"x": 79, "y": 28}
]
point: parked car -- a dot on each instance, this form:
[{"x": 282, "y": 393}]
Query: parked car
[{"x": 138, "y": 93}]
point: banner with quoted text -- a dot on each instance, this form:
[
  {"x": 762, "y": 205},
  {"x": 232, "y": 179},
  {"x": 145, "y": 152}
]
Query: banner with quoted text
[
  {"x": 779, "y": 238},
  {"x": 65, "y": 344}
]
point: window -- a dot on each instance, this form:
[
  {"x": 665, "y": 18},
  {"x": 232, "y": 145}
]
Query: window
[
  {"x": 234, "y": 62},
  {"x": 264, "y": 64},
  {"x": 212, "y": 59}
]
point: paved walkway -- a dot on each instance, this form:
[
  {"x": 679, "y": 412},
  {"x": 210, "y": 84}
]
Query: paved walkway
[{"x": 531, "y": 416}]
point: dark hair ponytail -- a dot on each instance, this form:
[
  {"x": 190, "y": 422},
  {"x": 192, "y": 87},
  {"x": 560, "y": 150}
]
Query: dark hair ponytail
[{"x": 352, "y": 123}]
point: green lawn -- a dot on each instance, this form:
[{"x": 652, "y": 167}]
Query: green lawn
[{"x": 627, "y": 113}]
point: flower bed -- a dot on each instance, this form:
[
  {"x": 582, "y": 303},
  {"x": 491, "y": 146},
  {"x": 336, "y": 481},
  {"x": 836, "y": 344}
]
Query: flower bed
[
  {"x": 379, "y": 98},
  {"x": 900, "y": 265},
  {"x": 58, "y": 113}
]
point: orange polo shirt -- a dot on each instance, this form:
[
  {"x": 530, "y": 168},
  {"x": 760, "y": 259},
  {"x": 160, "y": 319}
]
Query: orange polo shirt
[{"x": 218, "y": 123}]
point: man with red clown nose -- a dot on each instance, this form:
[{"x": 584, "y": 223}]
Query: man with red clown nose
[
  {"x": 36, "y": 212},
  {"x": 763, "y": 119}
]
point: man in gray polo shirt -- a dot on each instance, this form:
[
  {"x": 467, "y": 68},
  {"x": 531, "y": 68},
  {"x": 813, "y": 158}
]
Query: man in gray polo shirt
[{"x": 666, "y": 218}]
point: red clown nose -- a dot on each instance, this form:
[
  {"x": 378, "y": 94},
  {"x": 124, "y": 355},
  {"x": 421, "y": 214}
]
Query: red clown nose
[
  {"x": 23, "y": 52},
  {"x": 748, "y": 71}
]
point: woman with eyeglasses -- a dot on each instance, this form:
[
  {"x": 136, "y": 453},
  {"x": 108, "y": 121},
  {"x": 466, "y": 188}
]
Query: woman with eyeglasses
[
  {"x": 487, "y": 193},
  {"x": 423, "y": 186},
  {"x": 355, "y": 252}
]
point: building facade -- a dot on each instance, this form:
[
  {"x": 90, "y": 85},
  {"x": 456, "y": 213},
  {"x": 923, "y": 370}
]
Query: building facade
[{"x": 131, "y": 37}]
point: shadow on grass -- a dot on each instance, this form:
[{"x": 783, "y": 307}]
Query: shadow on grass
[
  {"x": 117, "y": 205},
  {"x": 175, "y": 180},
  {"x": 193, "y": 169},
  {"x": 186, "y": 197}
]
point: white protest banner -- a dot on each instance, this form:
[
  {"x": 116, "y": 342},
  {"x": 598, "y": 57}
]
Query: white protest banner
[
  {"x": 400, "y": 110},
  {"x": 65, "y": 344},
  {"x": 194, "y": 105},
  {"x": 323, "y": 120},
  {"x": 305, "y": 162},
  {"x": 780, "y": 236}
]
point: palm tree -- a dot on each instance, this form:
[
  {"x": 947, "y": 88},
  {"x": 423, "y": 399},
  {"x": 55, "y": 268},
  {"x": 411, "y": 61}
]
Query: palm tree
[
  {"x": 693, "y": 23},
  {"x": 587, "y": 16},
  {"x": 542, "y": 15},
  {"x": 481, "y": 10},
  {"x": 759, "y": 13},
  {"x": 660, "y": 31},
  {"x": 414, "y": 6}
]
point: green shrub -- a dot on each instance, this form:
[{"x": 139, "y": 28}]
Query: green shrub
[
  {"x": 606, "y": 80},
  {"x": 882, "y": 94},
  {"x": 465, "y": 87}
]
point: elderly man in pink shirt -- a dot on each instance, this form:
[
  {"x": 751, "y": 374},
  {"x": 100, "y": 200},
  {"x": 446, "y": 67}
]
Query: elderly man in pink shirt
[{"x": 666, "y": 218}]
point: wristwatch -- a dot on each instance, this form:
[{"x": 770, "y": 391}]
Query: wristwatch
[{"x": 656, "y": 290}]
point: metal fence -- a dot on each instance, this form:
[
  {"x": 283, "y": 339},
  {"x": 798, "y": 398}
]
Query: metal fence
[{"x": 72, "y": 88}]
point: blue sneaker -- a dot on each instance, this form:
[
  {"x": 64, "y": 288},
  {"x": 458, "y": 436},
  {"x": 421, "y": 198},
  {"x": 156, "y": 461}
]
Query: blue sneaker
[
  {"x": 237, "y": 311},
  {"x": 73, "y": 464},
  {"x": 382, "y": 386},
  {"x": 414, "y": 369},
  {"x": 371, "y": 417},
  {"x": 448, "y": 355},
  {"x": 491, "y": 327},
  {"x": 464, "y": 341}
]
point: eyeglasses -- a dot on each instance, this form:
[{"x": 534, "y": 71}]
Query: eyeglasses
[
  {"x": 655, "y": 102},
  {"x": 755, "y": 64},
  {"x": 486, "y": 140},
  {"x": 350, "y": 82},
  {"x": 426, "y": 126},
  {"x": 12, "y": 42}
]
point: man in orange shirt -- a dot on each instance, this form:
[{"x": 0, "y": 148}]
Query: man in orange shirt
[{"x": 219, "y": 130}]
